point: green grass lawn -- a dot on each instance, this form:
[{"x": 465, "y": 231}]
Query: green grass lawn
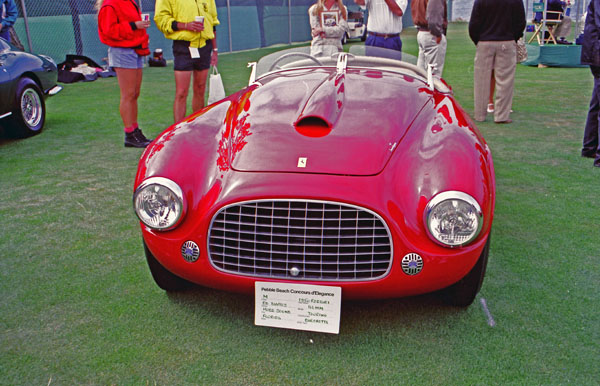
[{"x": 78, "y": 304}]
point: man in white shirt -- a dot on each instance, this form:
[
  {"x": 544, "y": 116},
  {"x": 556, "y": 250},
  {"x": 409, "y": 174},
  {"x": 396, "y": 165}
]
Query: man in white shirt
[
  {"x": 430, "y": 18},
  {"x": 385, "y": 22}
]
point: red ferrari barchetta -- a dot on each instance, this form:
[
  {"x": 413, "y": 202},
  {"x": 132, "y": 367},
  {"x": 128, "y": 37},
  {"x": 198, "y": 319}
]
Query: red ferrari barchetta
[{"x": 356, "y": 171}]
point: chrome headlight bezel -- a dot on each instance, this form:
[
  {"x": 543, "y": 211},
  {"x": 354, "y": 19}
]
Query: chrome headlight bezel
[
  {"x": 464, "y": 206},
  {"x": 172, "y": 194},
  {"x": 48, "y": 58}
]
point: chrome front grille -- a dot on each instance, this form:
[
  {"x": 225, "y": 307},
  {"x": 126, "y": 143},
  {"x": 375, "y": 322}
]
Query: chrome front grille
[{"x": 300, "y": 239}]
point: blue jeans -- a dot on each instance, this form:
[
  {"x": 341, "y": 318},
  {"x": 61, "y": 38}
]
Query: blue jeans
[{"x": 591, "y": 146}]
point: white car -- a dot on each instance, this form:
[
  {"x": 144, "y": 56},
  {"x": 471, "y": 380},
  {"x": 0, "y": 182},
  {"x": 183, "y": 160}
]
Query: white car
[{"x": 357, "y": 27}]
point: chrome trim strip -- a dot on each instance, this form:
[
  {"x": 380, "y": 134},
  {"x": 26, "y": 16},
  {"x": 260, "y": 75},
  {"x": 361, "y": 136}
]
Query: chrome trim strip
[
  {"x": 430, "y": 76},
  {"x": 342, "y": 63},
  {"x": 6, "y": 115},
  {"x": 252, "y": 73},
  {"x": 54, "y": 90},
  {"x": 393, "y": 66}
]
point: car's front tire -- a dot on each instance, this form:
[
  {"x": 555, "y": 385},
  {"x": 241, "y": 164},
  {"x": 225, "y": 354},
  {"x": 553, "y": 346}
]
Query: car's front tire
[
  {"x": 463, "y": 292},
  {"x": 164, "y": 278},
  {"x": 29, "y": 109}
]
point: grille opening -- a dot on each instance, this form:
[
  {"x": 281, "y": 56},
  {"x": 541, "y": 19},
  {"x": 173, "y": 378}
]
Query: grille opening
[{"x": 324, "y": 240}]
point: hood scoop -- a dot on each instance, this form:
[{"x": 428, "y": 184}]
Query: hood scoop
[
  {"x": 324, "y": 107},
  {"x": 322, "y": 121},
  {"x": 313, "y": 126}
]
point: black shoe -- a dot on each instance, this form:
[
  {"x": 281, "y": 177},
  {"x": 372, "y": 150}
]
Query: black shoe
[
  {"x": 141, "y": 135},
  {"x": 588, "y": 154},
  {"x": 136, "y": 139},
  {"x": 563, "y": 41}
]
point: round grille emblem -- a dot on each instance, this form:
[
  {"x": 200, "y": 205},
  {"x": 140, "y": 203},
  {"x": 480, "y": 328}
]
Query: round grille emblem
[
  {"x": 412, "y": 264},
  {"x": 190, "y": 251},
  {"x": 295, "y": 271}
]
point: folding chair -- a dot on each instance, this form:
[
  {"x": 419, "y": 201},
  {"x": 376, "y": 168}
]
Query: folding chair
[{"x": 552, "y": 20}]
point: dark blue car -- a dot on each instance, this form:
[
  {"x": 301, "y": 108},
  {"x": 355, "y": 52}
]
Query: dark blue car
[{"x": 25, "y": 81}]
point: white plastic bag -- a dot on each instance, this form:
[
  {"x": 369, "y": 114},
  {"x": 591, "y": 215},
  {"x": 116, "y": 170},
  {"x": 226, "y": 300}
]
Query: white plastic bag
[{"x": 216, "y": 91}]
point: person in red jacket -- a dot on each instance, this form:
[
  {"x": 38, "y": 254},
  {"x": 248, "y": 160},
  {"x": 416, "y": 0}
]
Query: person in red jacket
[{"x": 121, "y": 27}]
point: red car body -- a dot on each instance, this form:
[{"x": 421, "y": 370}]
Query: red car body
[{"x": 380, "y": 140}]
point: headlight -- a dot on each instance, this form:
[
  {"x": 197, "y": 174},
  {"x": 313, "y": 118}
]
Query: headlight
[
  {"x": 49, "y": 59},
  {"x": 453, "y": 218},
  {"x": 158, "y": 202}
]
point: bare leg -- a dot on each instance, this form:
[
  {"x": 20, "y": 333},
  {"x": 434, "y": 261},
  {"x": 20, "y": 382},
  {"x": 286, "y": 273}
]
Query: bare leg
[
  {"x": 199, "y": 87},
  {"x": 130, "y": 82},
  {"x": 182, "y": 86}
]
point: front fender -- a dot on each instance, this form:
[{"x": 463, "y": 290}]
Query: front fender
[{"x": 441, "y": 151}]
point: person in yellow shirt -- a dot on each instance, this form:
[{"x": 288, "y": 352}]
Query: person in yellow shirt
[{"x": 191, "y": 25}]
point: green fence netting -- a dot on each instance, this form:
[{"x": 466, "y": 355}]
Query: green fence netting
[{"x": 60, "y": 27}]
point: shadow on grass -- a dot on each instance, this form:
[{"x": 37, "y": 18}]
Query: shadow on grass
[
  {"x": 357, "y": 316},
  {"x": 6, "y": 136}
]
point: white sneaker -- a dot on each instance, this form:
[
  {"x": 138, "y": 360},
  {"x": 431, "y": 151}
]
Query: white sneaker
[{"x": 490, "y": 108}]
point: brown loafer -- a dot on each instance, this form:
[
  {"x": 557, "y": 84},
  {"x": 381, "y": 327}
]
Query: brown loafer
[{"x": 507, "y": 121}]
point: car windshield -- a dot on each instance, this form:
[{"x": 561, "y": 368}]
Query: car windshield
[{"x": 359, "y": 56}]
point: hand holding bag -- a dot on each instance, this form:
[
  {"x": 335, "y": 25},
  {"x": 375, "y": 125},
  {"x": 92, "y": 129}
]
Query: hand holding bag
[
  {"x": 216, "y": 91},
  {"x": 521, "y": 51}
]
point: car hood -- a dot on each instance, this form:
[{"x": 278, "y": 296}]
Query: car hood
[{"x": 320, "y": 121}]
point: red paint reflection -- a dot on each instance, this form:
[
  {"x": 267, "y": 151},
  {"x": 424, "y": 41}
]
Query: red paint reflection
[
  {"x": 236, "y": 130},
  {"x": 373, "y": 74},
  {"x": 448, "y": 111},
  {"x": 157, "y": 147}
]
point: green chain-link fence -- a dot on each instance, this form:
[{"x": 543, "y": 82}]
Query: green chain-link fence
[{"x": 60, "y": 27}]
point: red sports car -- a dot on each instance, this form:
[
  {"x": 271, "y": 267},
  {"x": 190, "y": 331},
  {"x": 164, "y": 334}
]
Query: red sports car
[{"x": 355, "y": 171}]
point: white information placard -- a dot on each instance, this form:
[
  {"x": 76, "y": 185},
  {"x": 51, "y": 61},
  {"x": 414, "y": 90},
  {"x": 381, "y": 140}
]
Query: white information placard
[{"x": 298, "y": 306}]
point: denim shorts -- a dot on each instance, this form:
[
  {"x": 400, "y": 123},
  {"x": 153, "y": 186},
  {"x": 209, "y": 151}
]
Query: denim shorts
[
  {"x": 124, "y": 58},
  {"x": 183, "y": 60}
]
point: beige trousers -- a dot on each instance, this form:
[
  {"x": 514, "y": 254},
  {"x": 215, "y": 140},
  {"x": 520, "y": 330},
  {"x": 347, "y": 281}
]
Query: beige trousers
[
  {"x": 502, "y": 58},
  {"x": 431, "y": 53}
]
